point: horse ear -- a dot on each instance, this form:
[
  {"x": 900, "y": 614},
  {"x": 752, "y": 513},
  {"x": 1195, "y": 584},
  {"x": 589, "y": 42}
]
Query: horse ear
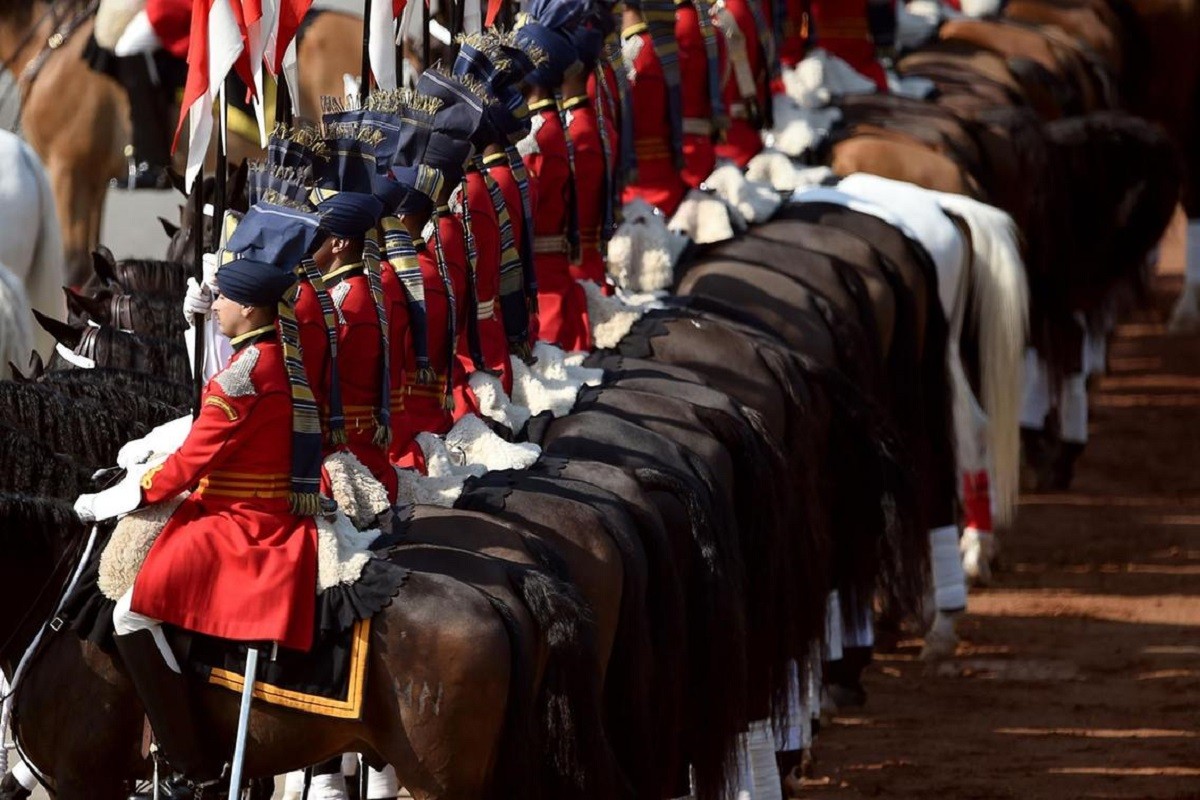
[
  {"x": 61, "y": 331},
  {"x": 170, "y": 228},
  {"x": 80, "y": 305},
  {"x": 104, "y": 267},
  {"x": 177, "y": 181},
  {"x": 37, "y": 367},
  {"x": 17, "y": 375}
]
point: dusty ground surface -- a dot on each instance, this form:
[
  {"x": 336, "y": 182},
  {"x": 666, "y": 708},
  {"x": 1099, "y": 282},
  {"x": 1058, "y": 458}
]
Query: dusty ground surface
[{"x": 1079, "y": 671}]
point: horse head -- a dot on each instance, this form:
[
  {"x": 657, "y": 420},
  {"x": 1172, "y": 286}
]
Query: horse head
[
  {"x": 82, "y": 307},
  {"x": 67, "y": 335}
]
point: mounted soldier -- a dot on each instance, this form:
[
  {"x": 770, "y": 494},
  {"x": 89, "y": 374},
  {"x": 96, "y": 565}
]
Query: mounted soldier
[
  {"x": 562, "y": 304},
  {"x": 349, "y": 212},
  {"x": 238, "y": 557}
]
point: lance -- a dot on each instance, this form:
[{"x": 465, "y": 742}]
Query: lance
[
  {"x": 364, "y": 85},
  {"x": 198, "y": 274}
]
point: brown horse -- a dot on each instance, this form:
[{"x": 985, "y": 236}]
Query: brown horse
[
  {"x": 76, "y": 119},
  {"x": 454, "y": 634}
]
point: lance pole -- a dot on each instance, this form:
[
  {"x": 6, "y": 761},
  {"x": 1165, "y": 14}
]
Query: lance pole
[{"x": 364, "y": 86}]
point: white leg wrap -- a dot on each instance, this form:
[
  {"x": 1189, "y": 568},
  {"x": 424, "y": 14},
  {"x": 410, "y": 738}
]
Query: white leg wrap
[
  {"x": 949, "y": 582},
  {"x": 797, "y": 713},
  {"x": 833, "y": 627},
  {"x": 126, "y": 621},
  {"x": 762, "y": 762},
  {"x": 745, "y": 774},
  {"x": 24, "y": 776},
  {"x": 1035, "y": 400},
  {"x": 381, "y": 784},
  {"x": 328, "y": 787},
  {"x": 812, "y": 692},
  {"x": 859, "y": 626},
  {"x": 978, "y": 550},
  {"x": 1073, "y": 409}
]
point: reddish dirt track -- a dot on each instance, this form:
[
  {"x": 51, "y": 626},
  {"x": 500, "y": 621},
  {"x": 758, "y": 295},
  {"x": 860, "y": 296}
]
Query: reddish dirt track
[{"x": 1079, "y": 671}]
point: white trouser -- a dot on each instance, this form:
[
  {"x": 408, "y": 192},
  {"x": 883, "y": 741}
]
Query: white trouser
[
  {"x": 380, "y": 784},
  {"x": 127, "y": 621},
  {"x": 1035, "y": 398}
]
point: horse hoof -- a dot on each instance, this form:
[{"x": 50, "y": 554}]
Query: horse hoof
[{"x": 942, "y": 639}]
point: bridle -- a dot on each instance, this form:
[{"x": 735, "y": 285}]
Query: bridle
[{"x": 63, "y": 26}]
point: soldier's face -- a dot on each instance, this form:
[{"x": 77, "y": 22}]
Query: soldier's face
[{"x": 228, "y": 315}]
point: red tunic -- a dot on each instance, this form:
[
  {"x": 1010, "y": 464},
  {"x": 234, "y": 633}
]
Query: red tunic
[
  {"x": 492, "y": 339},
  {"x": 562, "y": 304},
  {"x": 403, "y": 356},
  {"x": 590, "y": 187},
  {"x": 233, "y": 561},
  {"x": 841, "y": 28},
  {"x": 699, "y": 150},
  {"x": 500, "y": 171},
  {"x": 658, "y": 181},
  {"x": 742, "y": 140},
  {"x": 360, "y": 357},
  {"x": 424, "y": 405}
]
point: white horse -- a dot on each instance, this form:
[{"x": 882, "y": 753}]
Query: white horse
[
  {"x": 981, "y": 272},
  {"x": 30, "y": 241},
  {"x": 16, "y": 323}
]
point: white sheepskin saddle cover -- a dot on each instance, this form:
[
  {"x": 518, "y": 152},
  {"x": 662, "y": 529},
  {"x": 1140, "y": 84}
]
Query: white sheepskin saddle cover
[
  {"x": 799, "y": 128},
  {"x": 705, "y": 218},
  {"x": 469, "y": 449},
  {"x": 611, "y": 317},
  {"x": 358, "y": 494},
  {"x": 754, "y": 201},
  {"x": 342, "y": 550},
  {"x": 643, "y": 250}
]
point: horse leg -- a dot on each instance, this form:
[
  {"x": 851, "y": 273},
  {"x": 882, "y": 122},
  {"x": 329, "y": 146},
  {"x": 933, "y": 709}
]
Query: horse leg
[{"x": 78, "y": 215}]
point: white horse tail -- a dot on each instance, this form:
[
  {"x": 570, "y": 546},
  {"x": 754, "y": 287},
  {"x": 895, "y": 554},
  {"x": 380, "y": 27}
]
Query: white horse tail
[
  {"x": 48, "y": 268},
  {"x": 16, "y": 323},
  {"x": 1000, "y": 300}
]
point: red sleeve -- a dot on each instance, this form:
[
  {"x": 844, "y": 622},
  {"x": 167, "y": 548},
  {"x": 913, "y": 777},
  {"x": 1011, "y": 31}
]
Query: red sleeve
[{"x": 216, "y": 434}]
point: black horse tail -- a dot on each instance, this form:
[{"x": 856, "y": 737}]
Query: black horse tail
[
  {"x": 627, "y": 687},
  {"x": 578, "y": 760},
  {"x": 715, "y": 705},
  {"x": 763, "y": 506},
  {"x": 879, "y": 542},
  {"x": 517, "y": 772}
]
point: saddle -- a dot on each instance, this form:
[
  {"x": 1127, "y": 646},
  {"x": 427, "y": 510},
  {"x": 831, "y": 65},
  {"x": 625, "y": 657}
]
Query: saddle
[{"x": 354, "y": 582}]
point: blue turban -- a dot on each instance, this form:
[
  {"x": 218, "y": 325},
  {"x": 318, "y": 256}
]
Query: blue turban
[
  {"x": 349, "y": 214},
  {"x": 454, "y": 125},
  {"x": 266, "y": 247},
  {"x": 560, "y": 53},
  {"x": 588, "y": 40}
]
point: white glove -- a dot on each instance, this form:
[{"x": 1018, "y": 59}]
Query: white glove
[
  {"x": 116, "y": 500},
  {"x": 166, "y": 438},
  {"x": 209, "y": 272},
  {"x": 197, "y": 300}
]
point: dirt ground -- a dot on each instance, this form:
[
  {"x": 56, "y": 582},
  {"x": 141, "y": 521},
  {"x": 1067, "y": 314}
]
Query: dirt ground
[{"x": 1079, "y": 671}]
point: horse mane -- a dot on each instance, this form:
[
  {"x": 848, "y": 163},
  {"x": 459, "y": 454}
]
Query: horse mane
[
  {"x": 95, "y": 383},
  {"x": 31, "y": 468},
  {"x": 153, "y": 276},
  {"x": 42, "y": 521},
  {"x": 88, "y": 431},
  {"x": 140, "y": 353}
]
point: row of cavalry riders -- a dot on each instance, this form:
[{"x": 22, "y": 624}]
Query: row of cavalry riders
[{"x": 639, "y": 607}]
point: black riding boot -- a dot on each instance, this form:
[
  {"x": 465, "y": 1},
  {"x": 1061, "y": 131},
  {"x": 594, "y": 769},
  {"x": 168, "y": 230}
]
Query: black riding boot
[
  {"x": 843, "y": 678},
  {"x": 11, "y": 789},
  {"x": 149, "y": 118},
  {"x": 166, "y": 697}
]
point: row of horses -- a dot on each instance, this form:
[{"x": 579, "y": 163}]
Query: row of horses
[{"x": 787, "y": 427}]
